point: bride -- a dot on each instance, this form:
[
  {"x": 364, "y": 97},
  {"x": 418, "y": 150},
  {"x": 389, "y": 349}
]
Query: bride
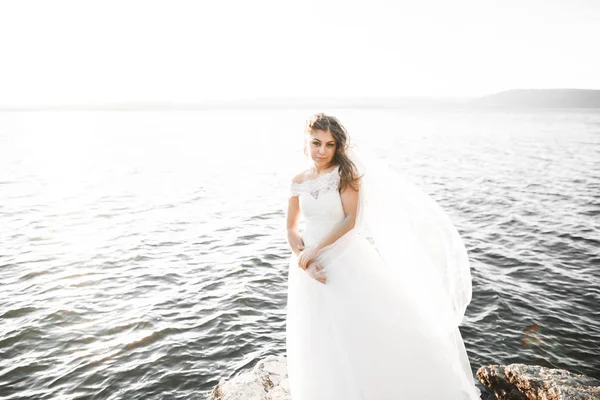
[{"x": 378, "y": 282}]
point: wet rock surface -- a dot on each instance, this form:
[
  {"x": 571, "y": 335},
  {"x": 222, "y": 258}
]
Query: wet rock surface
[{"x": 533, "y": 382}]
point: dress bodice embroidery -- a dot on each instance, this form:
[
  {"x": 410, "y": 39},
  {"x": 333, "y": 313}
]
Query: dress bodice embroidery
[{"x": 326, "y": 182}]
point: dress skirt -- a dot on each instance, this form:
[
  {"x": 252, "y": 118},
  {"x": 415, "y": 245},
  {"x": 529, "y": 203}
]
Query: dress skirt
[{"x": 365, "y": 335}]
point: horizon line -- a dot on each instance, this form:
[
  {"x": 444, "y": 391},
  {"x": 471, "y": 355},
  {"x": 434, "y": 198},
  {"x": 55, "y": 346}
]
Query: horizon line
[{"x": 271, "y": 102}]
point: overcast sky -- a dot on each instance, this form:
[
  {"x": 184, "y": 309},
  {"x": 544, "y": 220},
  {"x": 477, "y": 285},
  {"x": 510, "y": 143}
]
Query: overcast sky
[{"x": 83, "y": 52}]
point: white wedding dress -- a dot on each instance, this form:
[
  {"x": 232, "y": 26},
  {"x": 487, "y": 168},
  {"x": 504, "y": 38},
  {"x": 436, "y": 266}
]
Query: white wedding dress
[{"x": 365, "y": 334}]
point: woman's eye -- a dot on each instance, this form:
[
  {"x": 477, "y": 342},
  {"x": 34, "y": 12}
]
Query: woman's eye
[
  {"x": 316, "y": 143},
  {"x": 329, "y": 144}
]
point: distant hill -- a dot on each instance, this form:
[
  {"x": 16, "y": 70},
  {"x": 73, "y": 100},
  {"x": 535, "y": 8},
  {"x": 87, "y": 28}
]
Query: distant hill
[{"x": 540, "y": 98}]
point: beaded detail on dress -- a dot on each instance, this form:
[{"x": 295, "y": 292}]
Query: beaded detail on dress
[{"x": 327, "y": 182}]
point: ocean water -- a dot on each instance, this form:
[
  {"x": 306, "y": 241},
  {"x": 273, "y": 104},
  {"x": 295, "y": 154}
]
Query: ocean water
[{"x": 143, "y": 254}]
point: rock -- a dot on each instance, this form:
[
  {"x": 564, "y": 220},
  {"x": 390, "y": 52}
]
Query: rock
[
  {"x": 266, "y": 381},
  {"x": 493, "y": 377},
  {"x": 532, "y": 382}
]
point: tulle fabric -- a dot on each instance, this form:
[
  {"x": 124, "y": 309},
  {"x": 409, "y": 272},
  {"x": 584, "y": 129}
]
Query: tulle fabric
[
  {"x": 363, "y": 336},
  {"x": 402, "y": 219},
  {"x": 385, "y": 324}
]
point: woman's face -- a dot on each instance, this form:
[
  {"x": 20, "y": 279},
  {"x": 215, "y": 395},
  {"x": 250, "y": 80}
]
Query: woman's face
[{"x": 321, "y": 148}]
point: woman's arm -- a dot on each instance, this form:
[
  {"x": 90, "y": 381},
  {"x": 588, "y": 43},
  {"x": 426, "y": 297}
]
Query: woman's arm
[{"x": 293, "y": 215}]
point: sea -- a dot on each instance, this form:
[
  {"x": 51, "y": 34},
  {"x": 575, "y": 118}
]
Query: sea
[{"x": 143, "y": 254}]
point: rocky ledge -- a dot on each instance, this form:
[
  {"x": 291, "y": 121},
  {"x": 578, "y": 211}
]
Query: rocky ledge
[
  {"x": 268, "y": 381},
  {"x": 532, "y": 382}
]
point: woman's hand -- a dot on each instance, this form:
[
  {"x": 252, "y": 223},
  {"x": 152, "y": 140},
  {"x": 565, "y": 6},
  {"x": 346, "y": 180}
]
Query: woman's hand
[
  {"x": 316, "y": 271},
  {"x": 300, "y": 247},
  {"x": 306, "y": 256}
]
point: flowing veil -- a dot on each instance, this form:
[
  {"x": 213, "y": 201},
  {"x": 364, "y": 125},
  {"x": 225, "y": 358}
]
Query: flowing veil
[
  {"x": 401, "y": 217},
  {"x": 419, "y": 244}
]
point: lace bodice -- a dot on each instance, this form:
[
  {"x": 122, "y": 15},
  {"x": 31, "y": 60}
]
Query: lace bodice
[
  {"x": 320, "y": 205},
  {"x": 324, "y": 183}
]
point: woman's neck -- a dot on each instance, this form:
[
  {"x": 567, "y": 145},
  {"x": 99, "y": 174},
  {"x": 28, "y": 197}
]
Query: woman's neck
[{"x": 321, "y": 170}]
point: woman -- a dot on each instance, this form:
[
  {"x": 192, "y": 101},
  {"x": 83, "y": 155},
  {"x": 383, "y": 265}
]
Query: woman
[{"x": 378, "y": 282}]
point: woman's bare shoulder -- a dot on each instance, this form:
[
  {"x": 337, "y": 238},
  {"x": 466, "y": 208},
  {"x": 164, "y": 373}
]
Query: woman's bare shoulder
[{"x": 299, "y": 178}]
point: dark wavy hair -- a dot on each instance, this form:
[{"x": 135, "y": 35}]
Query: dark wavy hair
[{"x": 347, "y": 169}]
